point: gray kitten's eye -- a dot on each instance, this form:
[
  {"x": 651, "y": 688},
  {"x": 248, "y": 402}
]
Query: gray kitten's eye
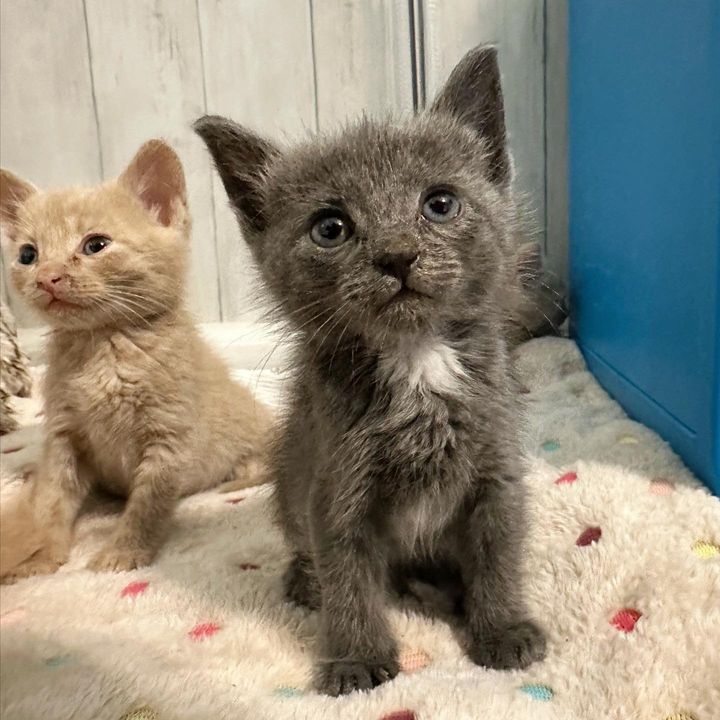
[
  {"x": 27, "y": 255},
  {"x": 95, "y": 243},
  {"x": 330, "y": 231},
  {"x": 441, "y": 206}
]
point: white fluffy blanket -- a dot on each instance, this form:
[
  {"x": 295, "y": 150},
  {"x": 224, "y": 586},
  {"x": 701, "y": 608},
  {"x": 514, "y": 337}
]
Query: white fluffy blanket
[{"x": 622, "y": 569}]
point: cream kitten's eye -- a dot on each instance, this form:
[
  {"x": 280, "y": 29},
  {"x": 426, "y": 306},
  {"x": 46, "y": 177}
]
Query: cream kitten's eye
[
  {"x": 331, "y": 230},
  {"x": 95, "y": 243},
  {"x": 441, "y": 206},
  {"x": 27, "y": 255}
]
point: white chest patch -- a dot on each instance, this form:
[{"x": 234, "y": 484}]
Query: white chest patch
[{"x": 427, "y": 365}]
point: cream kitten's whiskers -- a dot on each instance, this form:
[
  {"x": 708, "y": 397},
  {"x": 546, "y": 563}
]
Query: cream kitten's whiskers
[{"x": 135, "y": 399}]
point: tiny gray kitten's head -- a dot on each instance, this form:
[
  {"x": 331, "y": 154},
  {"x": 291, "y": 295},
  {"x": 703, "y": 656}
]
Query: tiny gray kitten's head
[{"x": 384, "y": 229}]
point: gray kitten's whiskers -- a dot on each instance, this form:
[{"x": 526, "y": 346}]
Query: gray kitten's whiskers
[{"x": 399, "y": 457}]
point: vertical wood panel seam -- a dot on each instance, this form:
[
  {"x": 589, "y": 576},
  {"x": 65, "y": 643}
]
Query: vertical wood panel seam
[
  {"x": 431, "y": 56},
  {"x": 421, "y": 53},
  {"x": 101, "y": 160},
  {"x": 417, "y": 54},
  {"x": 545, "y": 127},
  {"x": 413, "y": 56},
  {"x": 314, "y": 64},
  {"x": 213, "y": 203}
]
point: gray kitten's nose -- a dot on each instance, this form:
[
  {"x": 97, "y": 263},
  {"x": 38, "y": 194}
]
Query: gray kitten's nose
[{"x": 397, "y": 263}]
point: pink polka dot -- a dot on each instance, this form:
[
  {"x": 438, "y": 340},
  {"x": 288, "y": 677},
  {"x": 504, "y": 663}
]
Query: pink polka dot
[
  {"x": 625, "y": 619},
  {"x": 9, "y": 450},
  {"x": 400, "y": 715},
  {"x": 248, "y": 566},
  {"x": 204, "y": 630},
  {"x": 567, "y": 479},
  {"x": 589, "y": 536},
  {"x": 661, "y": 486},
  {"x": 234, "y": 501},
  {"x": 13, "y": 616},
  {"x": 134, "y": 589}
]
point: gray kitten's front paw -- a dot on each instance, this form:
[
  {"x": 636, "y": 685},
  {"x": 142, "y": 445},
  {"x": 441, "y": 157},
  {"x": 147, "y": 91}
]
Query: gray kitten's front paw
[
  {"x": 513, "y": 647},
  {"x": 339, "y": 677}
]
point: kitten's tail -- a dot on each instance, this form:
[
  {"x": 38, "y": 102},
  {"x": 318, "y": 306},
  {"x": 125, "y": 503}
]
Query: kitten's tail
[
  {"x": 20, "y": 532},
  {"x": 248, "y": 472},
  {"x": 541, "y": 308}
]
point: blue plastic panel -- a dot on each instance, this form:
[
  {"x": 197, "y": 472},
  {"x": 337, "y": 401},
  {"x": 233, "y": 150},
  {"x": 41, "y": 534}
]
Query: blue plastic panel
[{"x": 644, "y": 104}]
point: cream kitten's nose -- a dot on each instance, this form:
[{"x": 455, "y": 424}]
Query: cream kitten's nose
[{"x": 49, "y": 281}]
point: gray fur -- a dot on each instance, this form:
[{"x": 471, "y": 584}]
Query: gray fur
[{"x": 400, "y": 450}]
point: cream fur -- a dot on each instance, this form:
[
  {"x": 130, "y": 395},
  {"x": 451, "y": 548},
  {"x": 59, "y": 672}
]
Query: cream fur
[
  {"x": 135, "y": 400},
  {"x": 72, "y": 646},
  {"x": 20, "y": 535}
]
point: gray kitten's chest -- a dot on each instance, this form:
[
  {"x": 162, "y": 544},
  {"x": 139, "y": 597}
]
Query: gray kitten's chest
[
  {"x": 423, "y": 471},
  {"x": 422, "y": 430},
  {"x": 420, "y": 427},
  {"x": 422, "y": 368}
]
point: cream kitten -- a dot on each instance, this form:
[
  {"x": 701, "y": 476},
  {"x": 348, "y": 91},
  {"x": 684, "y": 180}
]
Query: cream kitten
[{"x": 134, "y": 398}]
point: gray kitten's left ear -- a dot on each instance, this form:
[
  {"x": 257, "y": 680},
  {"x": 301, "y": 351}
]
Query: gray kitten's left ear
[
  {"x": 473, "y": 95},
  {"x": 242, "y": 159}
]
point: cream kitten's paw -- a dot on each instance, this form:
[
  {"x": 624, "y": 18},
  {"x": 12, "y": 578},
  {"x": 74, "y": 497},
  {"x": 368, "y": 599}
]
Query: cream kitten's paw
[
  {"x": 120, "y": 559},
  {"x": 42, "y": 562}
]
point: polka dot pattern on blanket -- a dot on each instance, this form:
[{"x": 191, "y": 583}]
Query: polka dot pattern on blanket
[
  {"x": 620, "y": 567},
  {"x": 626, "y": 619},
  {"x": 202, "y": 631},
  {"x": 538, "y": 692},
  {"x": 134, "y": 589}
]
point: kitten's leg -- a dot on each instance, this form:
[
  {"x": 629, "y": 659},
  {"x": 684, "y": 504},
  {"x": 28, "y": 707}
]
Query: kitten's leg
[
  {"x": 143, "y": 525},
  {"x": 247, "y": 472},
  {"x": 501, "y": 636},
  {"x": 358, "y": 647},
  {"x": 301, "y": 583},
  {"x": 60, "y": 487},
  {"x": 433, "y": 588}
]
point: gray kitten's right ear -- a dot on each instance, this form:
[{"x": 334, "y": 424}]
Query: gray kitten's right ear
[
  {"x": 13, "y": 193},
  {"x": 241, "y": 159},
  {"x": 473, "y": 95}
]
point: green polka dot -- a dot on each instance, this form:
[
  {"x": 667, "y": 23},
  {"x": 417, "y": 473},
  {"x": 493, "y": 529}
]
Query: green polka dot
[
  {"x": 58, "y": 661},
  {"x": 550, "y": 445},
  {"x": 285, "y": 691}
]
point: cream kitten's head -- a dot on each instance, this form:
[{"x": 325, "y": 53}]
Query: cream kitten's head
[{"x": 111, "y": 255}]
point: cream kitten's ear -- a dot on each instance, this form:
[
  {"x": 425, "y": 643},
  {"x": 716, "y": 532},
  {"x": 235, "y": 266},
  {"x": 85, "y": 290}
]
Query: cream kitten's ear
[
  {"x": 13, "y": 193},
  {"x": 156, "y": 176}
]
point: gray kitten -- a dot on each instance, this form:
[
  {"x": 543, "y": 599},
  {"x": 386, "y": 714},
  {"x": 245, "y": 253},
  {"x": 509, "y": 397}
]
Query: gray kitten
[{"x": 392, "y": 250}]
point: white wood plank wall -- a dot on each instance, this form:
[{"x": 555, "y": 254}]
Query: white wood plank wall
[
  {"x": 452, "y": 27},
  {"x": 84, "y": 82}
]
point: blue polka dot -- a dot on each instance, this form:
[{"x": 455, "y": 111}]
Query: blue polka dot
[{"x": 538, "y": 692}]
